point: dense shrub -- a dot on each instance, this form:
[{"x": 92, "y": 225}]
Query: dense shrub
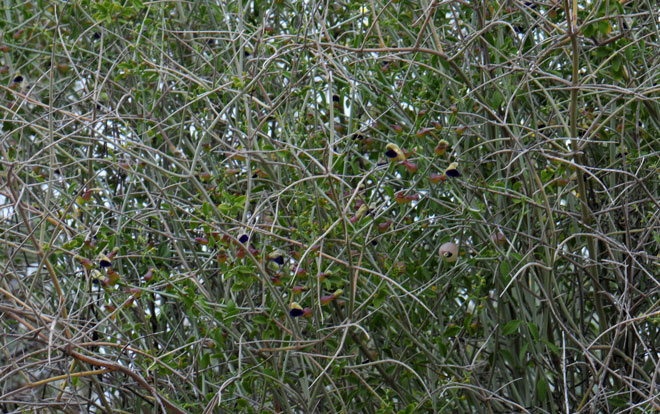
[{"x": 434, "y": 206}]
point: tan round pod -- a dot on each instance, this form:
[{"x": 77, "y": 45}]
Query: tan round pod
[
  {"x": 449, "y": 252},
  {"x": 498, "y": 238}
]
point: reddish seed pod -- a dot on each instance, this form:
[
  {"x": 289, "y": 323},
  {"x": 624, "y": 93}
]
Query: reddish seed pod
[
  {"x": 400, "y": 198},
  {"x": 423, "y": 132},
  {"x": 410, "y": 166},
  {"x": 87, "y": 195},
  {"x": 149, "y": 275},
  {"x": 326, "y": 299},
  {"x": 299, "y": 289},
  {"x": 498, "y": 238},
  {"x": 441, "y": 148},
  {"x": 113, "y": 253},
  {"x": 436, "y": 178},
  {"x": 85, "y": 262}
]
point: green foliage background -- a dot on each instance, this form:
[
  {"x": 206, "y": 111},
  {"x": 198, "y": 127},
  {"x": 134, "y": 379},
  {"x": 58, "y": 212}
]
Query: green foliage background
[{"x": 158, "y": 133}]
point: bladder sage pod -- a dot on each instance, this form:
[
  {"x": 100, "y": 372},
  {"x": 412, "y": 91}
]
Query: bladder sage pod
[{"x": 449, "y": 252}]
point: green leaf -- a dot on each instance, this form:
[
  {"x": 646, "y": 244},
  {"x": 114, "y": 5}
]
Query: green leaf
[
  {"x": 511, "y": 327},
  {"x": 588, "y": 30},
  {"x": 505, "y": 269},
  {"x": 604, "y": 27},
  {"x": 204, "y": 361},
  {"x": 534, "y": 330},
  {"x": 452, "y": 331},
  {"x": 164, "y": 250},
  {"x": 656, "y": 237},
  {"x": 497, "y": 99},
  {"x": 240, "y": 201},
  {"x": 523, "y": 352},
  {"x": 542, "y": 388},
  {"x": 410, "y": 408},
  {"x": 207, "y": 210},
  {"x": 551, "y": 346},
  {"x": 246, "y": 270},
  {"x": 617, "y": 402},
  {"x": 380, "y": 297}
]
